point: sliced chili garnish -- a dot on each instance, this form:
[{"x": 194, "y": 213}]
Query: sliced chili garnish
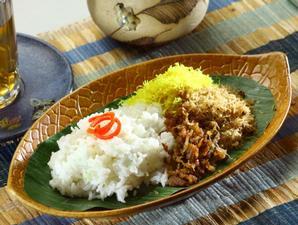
[
  {"x": 95, "y": 126},
  {"x": 111, "y": 114},
  {"x": 111, "y": 135},
  {"x": 105, "y": 128},
  {"x": 102, "y": 131},
  {"x": 100, "y": 119}
]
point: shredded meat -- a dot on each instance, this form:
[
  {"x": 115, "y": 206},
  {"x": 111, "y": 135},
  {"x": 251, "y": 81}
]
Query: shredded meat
[{"x": 204, "y": 130}]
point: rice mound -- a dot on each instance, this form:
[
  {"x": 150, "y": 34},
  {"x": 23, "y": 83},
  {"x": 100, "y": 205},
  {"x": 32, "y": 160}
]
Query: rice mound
[{"x": 86, "y": 166}]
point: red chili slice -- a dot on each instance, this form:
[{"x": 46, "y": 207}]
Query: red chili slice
[
  {"x": 111, "y": 114},
  {"x": 101, "y": 131},
  {"x": 100, "y": 119},
  {"x": 113, "y": 134},
  {"x": 106, "y": 128}
]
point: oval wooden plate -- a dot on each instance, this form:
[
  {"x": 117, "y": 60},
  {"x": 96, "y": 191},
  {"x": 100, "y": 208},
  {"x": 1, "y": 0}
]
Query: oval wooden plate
[{"x": 270, "y": 70}]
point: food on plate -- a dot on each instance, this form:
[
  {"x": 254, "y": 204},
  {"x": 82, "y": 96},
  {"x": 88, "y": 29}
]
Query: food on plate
[
  {"x": 164, "y": 88},
  {"x": 173, "y": 131},
  {"x": 88, "y": 165},
  {"x": 206, "y": 125}
]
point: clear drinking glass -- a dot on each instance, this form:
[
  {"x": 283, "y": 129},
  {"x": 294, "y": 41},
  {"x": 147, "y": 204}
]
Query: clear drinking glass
[{"x": 9, "y": 76}]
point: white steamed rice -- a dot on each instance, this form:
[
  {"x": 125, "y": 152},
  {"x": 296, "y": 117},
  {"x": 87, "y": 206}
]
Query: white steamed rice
[{"x": 86, "y": 166}]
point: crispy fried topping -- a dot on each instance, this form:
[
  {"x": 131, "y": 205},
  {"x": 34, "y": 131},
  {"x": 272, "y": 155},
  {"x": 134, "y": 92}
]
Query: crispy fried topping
[{"x": 205, "y": 125}]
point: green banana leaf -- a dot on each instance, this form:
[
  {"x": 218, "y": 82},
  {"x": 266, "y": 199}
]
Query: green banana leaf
[{"x": 37, "y": 175}]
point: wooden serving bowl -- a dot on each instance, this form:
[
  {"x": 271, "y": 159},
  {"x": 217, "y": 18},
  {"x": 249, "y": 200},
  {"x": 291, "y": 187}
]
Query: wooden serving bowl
[{"x": 270, "y": 70}]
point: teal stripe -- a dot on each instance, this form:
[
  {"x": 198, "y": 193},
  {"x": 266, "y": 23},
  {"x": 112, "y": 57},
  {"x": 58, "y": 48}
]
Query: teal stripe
[
  {"x": 229, "y": 191},
  {"x": 209, "y": 38}
]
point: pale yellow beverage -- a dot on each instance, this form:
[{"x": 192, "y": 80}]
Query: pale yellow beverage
[{"x": 9, "y": 77}]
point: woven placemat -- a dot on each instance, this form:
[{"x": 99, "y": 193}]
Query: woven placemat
[{"x": 263, "y": 191}]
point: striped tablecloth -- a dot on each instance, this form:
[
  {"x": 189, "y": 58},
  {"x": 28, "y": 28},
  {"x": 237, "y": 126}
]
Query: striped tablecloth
[{"x": 264, "y": 190}]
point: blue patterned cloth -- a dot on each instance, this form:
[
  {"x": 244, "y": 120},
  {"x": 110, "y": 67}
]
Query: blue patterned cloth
[{"x": 264, "y": 191}]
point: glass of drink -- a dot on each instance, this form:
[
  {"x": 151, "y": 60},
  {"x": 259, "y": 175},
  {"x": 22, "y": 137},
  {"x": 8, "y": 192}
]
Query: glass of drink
[{"x": 9, "y": 77}]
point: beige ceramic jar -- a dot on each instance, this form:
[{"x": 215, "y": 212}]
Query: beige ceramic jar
[{"x": 143, "y": 22}]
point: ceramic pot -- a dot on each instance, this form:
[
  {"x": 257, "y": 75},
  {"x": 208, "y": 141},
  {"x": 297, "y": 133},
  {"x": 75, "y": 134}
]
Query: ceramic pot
[{"x": 144, "y": 22}]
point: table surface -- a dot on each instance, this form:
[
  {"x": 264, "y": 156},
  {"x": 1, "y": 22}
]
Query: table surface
[
  {"x": 265, "y": 189},
  {"x": 36, "y": 16}
]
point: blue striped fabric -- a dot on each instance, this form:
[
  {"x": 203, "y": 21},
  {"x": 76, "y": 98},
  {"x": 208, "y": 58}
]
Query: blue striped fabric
[
  {"x": 48, "y": 220},
  {"x": 288, "y": 45},
  {"x": 285, "y": 214},
  {"x": 91, "y": 49},
  {"x": 288, "y": 128},
  {"x": 217, "y": 4},
  {"x": 230, "y": 190},
  {"x": 6, "y": 153}
]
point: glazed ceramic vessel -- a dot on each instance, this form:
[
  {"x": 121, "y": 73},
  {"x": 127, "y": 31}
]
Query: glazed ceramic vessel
[
  {"x": 270, "y": 70},
  {"x": 144, "y": 22}
]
